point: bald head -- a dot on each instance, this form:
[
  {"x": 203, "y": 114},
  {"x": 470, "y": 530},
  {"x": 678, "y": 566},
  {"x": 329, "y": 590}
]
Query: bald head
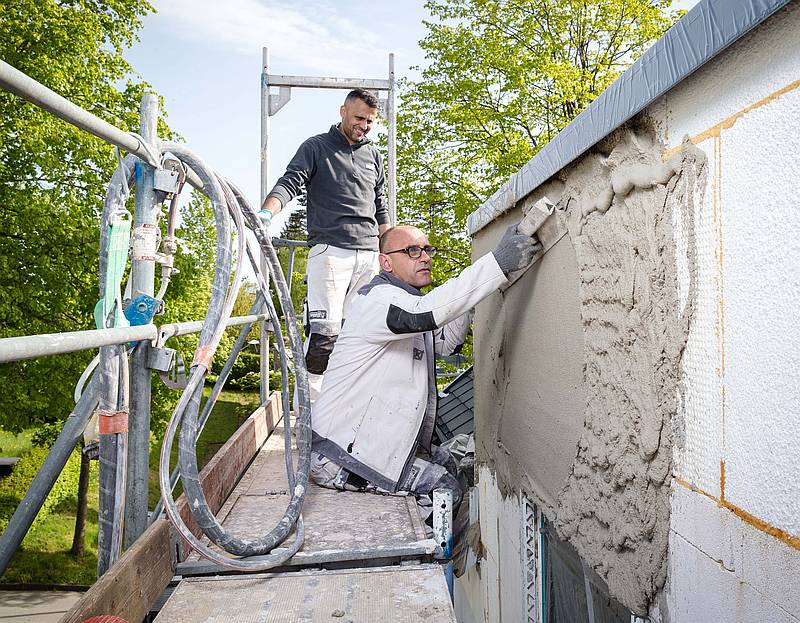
[
  {"x": 393, "y": 258},
  {"x": 393, "y": 234}
]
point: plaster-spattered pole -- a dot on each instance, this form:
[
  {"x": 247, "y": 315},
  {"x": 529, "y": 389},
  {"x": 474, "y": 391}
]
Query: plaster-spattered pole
[
  {"x": 443, "y": 530},
  {"x": 263, "y": 328},
  {"x": 142, "y": 282},
  {"x": 391, "y": 121}
]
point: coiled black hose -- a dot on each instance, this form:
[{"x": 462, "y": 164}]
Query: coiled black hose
[{"x": 227, "y": 199}]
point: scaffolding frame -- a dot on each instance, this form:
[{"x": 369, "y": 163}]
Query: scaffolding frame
[
  {"x": 271, "y": 103},
  {"x": 148, "y": 337}
]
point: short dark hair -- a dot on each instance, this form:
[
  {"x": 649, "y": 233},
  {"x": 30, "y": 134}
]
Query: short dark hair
[
  {"x": 383, "y": 240},
  {"x": 365, "y": 96}
]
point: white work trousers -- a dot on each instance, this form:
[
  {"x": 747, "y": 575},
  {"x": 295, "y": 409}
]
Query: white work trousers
[
  {"x": 334, "y": 276},
  {"x": 426, "y": 474}
]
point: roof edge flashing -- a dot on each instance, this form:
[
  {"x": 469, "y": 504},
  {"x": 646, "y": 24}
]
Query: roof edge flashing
[{"x": 705, "y": 31}]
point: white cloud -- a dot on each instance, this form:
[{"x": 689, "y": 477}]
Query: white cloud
[{"x": 309, "y": 37}]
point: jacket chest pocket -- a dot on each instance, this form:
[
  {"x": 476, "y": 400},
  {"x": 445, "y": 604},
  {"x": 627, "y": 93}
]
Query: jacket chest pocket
[
  {"x": 418, "y": 358},
  {"x": 364, "y": 171}
]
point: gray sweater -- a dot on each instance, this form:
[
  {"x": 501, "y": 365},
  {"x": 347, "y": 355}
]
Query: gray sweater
[{"x": 346, "y": 190}]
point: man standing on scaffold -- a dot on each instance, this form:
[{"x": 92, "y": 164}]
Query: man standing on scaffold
[{"x": 347, "y": 211}]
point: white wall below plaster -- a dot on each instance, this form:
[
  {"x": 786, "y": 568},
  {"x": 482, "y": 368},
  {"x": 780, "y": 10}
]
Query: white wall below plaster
[
  {"x": 721, "y": 569},
  {"x": 495, "y": 591}
]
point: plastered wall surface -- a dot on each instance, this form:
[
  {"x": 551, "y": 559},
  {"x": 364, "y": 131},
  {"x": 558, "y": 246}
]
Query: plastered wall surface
[
  {"x": 724, "y": 531},
  {"x": 763, "y": 62},
  {"x": 529, "y": 341},
  {"x": 614, "y": 507},
  {"x": 609, "y": 457}
]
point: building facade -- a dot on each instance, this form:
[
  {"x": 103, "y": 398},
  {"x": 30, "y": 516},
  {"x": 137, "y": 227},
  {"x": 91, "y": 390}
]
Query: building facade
[{"x": 637, "y": 391}]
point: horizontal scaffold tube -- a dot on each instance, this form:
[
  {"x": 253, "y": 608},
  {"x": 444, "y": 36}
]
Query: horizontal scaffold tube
[
  {"x": 32, "y": 346},
  {"x": 12, "y": 79}
]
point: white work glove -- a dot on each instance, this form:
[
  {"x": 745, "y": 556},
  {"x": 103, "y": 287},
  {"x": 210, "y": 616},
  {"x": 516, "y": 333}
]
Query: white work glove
[
  {"x": 515, "y": 251},
  {"x": 265, "y": 216}
]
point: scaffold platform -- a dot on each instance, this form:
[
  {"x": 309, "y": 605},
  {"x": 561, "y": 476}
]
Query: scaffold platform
[{"x": 365, "y": 557}]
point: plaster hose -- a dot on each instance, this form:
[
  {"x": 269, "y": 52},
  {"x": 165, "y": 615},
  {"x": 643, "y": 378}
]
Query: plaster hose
[
  {"x": 303, "y": 444},
  {"x": 224, "y": 200},
  {"x": 112, "y": 413},
  {"x": 208, "y": 405}
]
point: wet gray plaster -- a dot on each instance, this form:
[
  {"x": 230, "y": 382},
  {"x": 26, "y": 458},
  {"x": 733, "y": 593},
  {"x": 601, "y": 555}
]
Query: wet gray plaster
[
  {"x": 530, "y": 369},
  {"x": 614, "y": 393}
]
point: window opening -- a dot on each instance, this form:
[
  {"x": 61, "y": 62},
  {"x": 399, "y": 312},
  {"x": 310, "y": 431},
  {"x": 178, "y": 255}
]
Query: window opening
[{"x": 571, "y": 591}]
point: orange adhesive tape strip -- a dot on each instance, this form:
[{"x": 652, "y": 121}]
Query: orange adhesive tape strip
[{"x": 112, "y": 422}]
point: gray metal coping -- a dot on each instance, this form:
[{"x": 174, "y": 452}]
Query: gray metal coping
[{"x": 706, "y": 30}]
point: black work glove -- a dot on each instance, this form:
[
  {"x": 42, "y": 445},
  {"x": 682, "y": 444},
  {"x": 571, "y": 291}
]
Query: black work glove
[{"x": 515, "y": 251}]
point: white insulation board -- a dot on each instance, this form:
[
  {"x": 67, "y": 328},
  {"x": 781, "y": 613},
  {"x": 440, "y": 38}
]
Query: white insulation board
[{"x": 761, "y": 293}]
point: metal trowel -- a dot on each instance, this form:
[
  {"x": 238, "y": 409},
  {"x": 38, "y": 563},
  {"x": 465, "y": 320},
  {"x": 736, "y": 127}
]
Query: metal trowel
[{"x": 540, "y": 221}]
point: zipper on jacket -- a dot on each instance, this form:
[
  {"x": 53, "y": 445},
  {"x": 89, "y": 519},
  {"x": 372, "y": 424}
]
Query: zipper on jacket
[
  {"x": 354, "y": 171},
  {"x": 358, "y": 428}
]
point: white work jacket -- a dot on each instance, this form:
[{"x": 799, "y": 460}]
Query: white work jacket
[{"x": 378, "y": 397}]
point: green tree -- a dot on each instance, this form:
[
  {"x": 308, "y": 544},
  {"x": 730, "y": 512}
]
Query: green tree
[
  {"x": 52, "y": 184},
  {"x": 53, "y": 180},
  {"x": 503, "y": 78},
  {"x": 296, "y": 227}
]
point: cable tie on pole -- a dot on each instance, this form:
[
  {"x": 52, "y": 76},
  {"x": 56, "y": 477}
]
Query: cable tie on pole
[{"x": 112, "y": 422}]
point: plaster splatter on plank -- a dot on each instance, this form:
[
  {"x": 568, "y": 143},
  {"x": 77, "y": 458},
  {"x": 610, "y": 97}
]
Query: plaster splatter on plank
[{"x": 390, "y": 594}]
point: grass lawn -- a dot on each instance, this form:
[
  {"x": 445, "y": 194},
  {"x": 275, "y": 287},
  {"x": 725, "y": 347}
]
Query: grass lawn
[
  {"x": 15, "y": 445},
  {"x": 44, "y": 556}
]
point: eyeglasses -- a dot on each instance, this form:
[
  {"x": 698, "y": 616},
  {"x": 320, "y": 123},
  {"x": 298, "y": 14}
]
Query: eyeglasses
[{"x": 415, "y": 252}]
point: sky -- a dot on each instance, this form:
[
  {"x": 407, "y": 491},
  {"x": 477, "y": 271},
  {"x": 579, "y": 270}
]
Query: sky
[{"x": 205, "y": 56}]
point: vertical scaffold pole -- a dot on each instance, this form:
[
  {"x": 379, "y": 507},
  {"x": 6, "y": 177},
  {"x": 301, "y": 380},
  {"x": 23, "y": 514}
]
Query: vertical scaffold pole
[
  {"x": 263, "y": 326},
  {"x": 391, "y": 114},
  {"x": 144, "y": 240}
]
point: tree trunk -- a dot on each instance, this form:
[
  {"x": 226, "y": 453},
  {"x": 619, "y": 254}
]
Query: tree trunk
[{"x": 78, "y": 539}]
